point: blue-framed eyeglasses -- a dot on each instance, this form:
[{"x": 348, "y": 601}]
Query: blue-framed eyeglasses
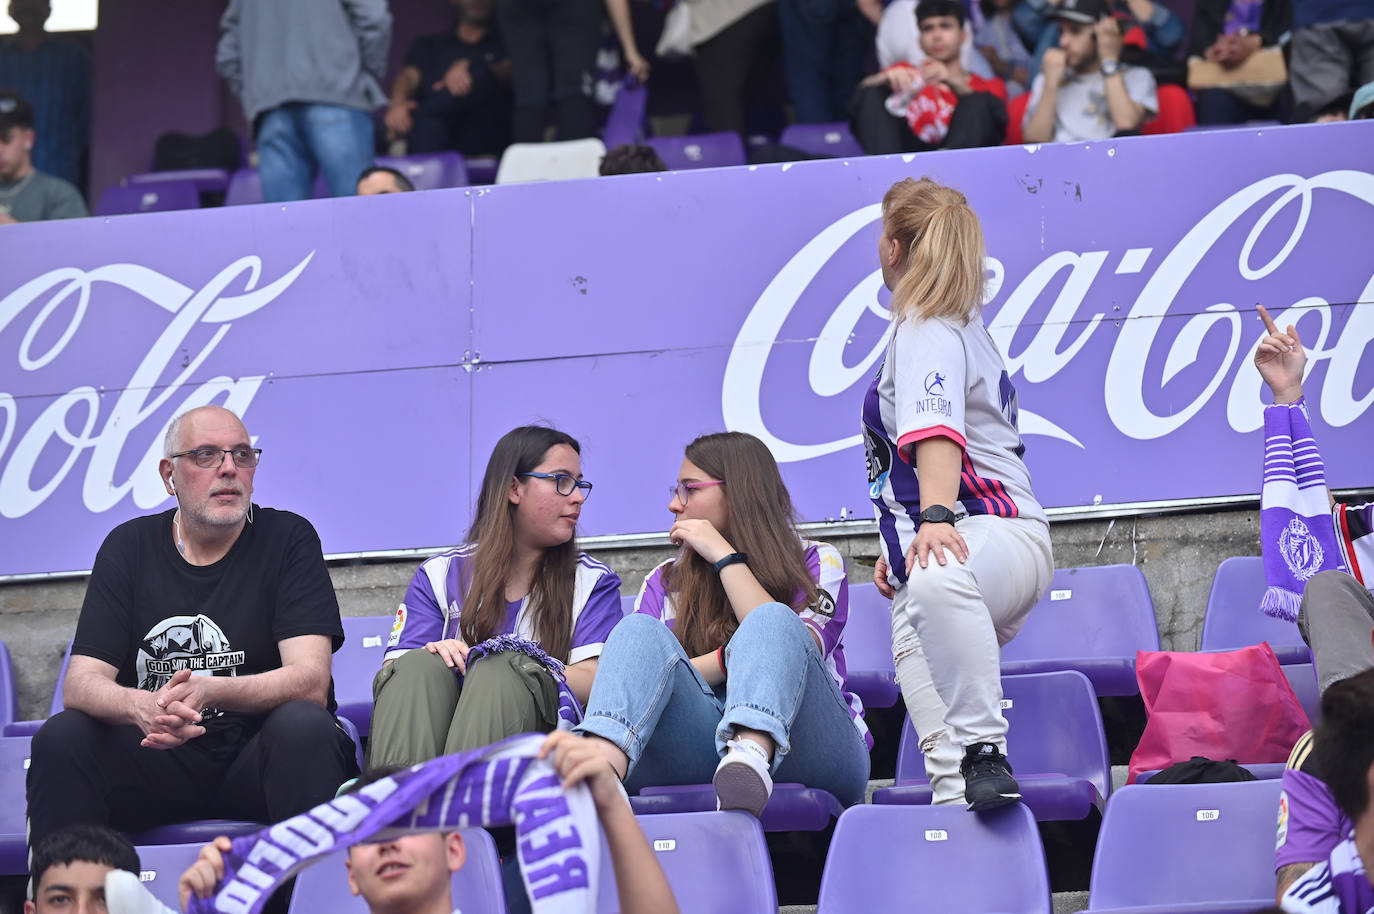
[{"x": 564, "y": 483}]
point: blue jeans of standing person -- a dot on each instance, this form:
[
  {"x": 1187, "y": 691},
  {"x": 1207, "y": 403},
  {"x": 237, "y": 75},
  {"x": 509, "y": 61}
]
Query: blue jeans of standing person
[
  {"x": 823, "y": 48},
  {"x": 651, "y": 702},
  {"x": 298, "y": 137}
]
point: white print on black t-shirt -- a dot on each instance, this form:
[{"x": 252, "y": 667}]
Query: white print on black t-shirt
[{"x": 193, "y": 643}]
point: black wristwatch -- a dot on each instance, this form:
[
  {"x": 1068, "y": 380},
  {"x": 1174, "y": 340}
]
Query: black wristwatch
[
  {"x": 938, "y": 514},
  {"x": 731, "y": 559}
]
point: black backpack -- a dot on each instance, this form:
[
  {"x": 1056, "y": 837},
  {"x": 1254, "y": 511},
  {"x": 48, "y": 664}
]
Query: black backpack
[{"x": 1202, "y": 770}]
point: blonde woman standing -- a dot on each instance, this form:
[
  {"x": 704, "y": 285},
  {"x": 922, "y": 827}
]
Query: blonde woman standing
[{"x": 965, "y": 545}]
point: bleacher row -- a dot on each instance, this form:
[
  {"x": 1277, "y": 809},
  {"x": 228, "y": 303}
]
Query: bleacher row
[{"x": 1214, "y": 841}]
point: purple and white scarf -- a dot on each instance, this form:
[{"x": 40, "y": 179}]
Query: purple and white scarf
[
  {"x": 558, "y": 838},
  {"x": 1297, "y": 536}
]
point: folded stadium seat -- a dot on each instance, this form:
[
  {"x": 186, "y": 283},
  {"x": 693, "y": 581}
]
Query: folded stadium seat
[
  {"x": 714, "y": 861},
  {"x": 322, "y": 888},
  {"x": 30, "y": 727},
  {"x": 1016, "y": 110},
  {"x": 161, "y": 866},
  {"x": 245, "y": 186},
  {"x": 702, "y": 150},
  {"x": 1186, "y": 849},
  {"x": 9, "y": 692},
  {"x": 206, "y": 180},
  {"x": 550, "y": 161},
  {"x": 834, "y": 140},
  {"x": 356, "y": 664},
  {"x": 162, "y": 197},
  {"x": 1056, "y": 746},
  {"x": 1093, "y": 620},
  {"x": 627, "y": 603},
  {"x": 14, "y": 766},
  {"x": 792, "y": 807},
  {"x": 867, "y": 640},
  {"x": 625, "y": 122},
  {"x": 1233, "y": 618},
  {"x": 897, "y": 859},
  {"x": 1175, "y": 112},
  {"x": 431, "y": 171}
]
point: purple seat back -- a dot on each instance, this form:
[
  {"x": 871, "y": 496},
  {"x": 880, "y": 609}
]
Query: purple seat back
[
  {"x": 627, "y": 603},
  {"x": 703, "y": 150},
  {"x": 162, "y": 865},
  {"x": 714, "y": 861},
  {"x": 430, "y": 172},
  {"x": 867, "y": 640},
  {"x": 1264, "y": 771},
  {"x": 9, "y": 694},
  {"x": 1303, "y": 678},
  {"x": 356, "y": 664},
  {"x": 162, "y": 197},
  {"x": 57, "y": 703},
  {"x": 1187, "y": 845},
  {"x": 832, "y": 140},
  {"x": 891, "y": 859},
  {"x": 322, "y": 888},
  {"x": 1233, "y": 619},
  {"x": 1093, "y": 620},
  {"x": 206, "y": 180},
  {"x": 792, "y": 807},
  {"x": 14, "y": 766},
  {"x": 245, "y": 186},
  {"x": 625, "y": 122}
]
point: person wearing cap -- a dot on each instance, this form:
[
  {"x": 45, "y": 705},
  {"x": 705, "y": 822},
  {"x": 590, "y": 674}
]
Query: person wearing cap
[
  {"x": 27, "y": 194},
  {"x": 54, "y": 77},
  {"x": 1083, "y": 91},
  {"x": 1152, "y": 27}
]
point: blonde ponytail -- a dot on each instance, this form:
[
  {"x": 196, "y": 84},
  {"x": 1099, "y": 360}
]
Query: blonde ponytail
[{"x": 943, "y": 251}]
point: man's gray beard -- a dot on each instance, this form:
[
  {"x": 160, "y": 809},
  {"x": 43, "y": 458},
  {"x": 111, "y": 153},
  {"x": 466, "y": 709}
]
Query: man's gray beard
[{"x": 204, "y": 519}]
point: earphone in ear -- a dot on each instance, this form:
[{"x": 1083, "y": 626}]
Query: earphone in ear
[{"x": 172, "y": 484}]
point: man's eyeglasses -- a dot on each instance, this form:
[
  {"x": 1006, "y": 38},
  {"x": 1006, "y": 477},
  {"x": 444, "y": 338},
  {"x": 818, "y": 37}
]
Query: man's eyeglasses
[
  {"x": 564, "y": 483},
  {"x": 211, "y": 457},
  {"x": 683, "y": 490}
]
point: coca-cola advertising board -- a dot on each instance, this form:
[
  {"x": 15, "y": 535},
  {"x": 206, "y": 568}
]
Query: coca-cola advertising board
[{"x": 378, "y": 347}]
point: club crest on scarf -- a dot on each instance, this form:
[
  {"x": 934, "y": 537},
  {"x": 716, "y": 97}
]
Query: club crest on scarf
[{"x": 1300, "y": 550}]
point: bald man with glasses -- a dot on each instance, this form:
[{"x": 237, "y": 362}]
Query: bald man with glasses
[{"x": 199, "y": 684}]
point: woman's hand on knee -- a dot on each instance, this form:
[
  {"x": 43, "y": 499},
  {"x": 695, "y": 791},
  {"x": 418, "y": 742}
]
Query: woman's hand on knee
[
  {"x": 880, "y": 569},
  {"x": 932, "y": 540},
  {"x": 453, "y": 651}
]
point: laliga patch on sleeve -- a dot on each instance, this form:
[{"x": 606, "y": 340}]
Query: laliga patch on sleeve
[
  {"x": 824, "y": 605},
  {"x": 1283, "y": 821},
  {"x": 397, "y": 626}
]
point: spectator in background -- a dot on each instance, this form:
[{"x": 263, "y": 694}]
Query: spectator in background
[
  {"x": 1362, "y": 103},
  {"x": 736, "y": 45},
  {"x": 823, "y": 56},
  {"x": 309, "y": 75},
  {"x": 1331, "y": 53},
  {"x": 1229, "y": 34},
  {"x": 936, "y": 105},
  {"x": 55, "y": 77},
  {"x": 454, "y": 91},
  {"x": 1161, "y": 31},
  {"x": 899, "y": 40},
  {"x": 27, "y": 194},
  {"x": 1084, "y": 91},
  {"x": 1003, "y": 49},
  {"x": 382, "y": 180},
  {"x": 67, "y": 870},
  {"x": 631, "y": 160},
  {"x": 552, "y": 46}
]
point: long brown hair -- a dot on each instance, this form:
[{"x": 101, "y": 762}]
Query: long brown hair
[
  {"x": 761, "y": 519},
  {"x": 943, "y": 249},
  {"x": 493, "y": 534}
]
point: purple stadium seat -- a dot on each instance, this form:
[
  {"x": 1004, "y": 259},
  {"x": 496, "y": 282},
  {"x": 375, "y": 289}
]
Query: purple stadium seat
[
  {"x": 322, "y": 888},
  {"x": 792, "y": 807},
  {"x": 714, "y": 861},
  {"x": 703, "y": 150},
  {"x": 627, "y": 603},
  {"x": 625, "y": 122},
  {"x": 1187, "y": 848},
  {"x": 245, "y": 186},
  {"x": 355, "y": 665},
  {"x": 1093, "y": 620},
  {"x": 30, "y": 727},
  {"x": 867, "y": 640},
  {"x": 9, "y": 693},
  {"x": 1056, "y": 746},
  {"x": 896, "y": 859},
  {"x": 432, "y": 171},
  {"x": 832, "y": 140},
  {"x": 1303, "y": 678},
  {"x": 206, "y": 180},
  {"x": 14, "y": 766},
  {"x": 1264, "y": 771},
  {"x": 162, "y": 865},
  {"x": 148, "y": 198},
  {"x": 1233, "y": 618},
  {"x": 482, "y": 170}
]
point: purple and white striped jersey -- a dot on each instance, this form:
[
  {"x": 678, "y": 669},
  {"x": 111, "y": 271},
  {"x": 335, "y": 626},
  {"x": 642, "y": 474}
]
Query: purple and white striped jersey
[
  {"x": 826, "y": 618},
  {"x": 434, "y": 601},
  {"x": 1337, "y": 885},
  {"x": 942, "y": 379}
]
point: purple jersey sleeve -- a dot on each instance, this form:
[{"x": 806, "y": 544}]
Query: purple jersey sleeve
[
  {"x": 828, "y": 615},
  {"x": 1310, "y": 824},
  {"x": 598, "y": 617},
  {"x": 651, "y": 595},
  {"x": 419, "y": 618}
]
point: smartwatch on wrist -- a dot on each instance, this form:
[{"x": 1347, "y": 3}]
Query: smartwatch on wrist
[
  {"x": 731, "y": 559},
  {"x": 938, "y": 514},
  {"x": 1110, "y": 67}
]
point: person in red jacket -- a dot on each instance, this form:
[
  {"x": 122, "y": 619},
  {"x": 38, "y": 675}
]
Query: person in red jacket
[{"x": 938, "y": 105}]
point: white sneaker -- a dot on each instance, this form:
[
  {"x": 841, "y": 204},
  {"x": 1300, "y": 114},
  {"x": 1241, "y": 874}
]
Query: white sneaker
[{"x": 742, "y": 780}]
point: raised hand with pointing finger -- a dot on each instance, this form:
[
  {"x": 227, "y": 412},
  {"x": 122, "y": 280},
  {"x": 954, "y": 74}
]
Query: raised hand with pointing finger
[{"x": 1281, "y": 359}]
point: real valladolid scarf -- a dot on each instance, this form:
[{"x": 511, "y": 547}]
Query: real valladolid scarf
[
  {"x": 558, "y": 837},
  {"x": 1297, "y": 536}
]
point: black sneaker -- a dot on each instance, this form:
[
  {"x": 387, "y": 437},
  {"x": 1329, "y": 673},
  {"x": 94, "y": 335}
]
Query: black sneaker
[{"x": 987, "y": 778}]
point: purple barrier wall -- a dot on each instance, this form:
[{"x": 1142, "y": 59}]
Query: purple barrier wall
[{"x": 377, "y": 347}]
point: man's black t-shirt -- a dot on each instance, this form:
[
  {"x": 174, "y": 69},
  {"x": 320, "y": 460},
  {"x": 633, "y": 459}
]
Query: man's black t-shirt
[
  {"x": 473, "y": 124},
  {"x": 149, "y": 612}
]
